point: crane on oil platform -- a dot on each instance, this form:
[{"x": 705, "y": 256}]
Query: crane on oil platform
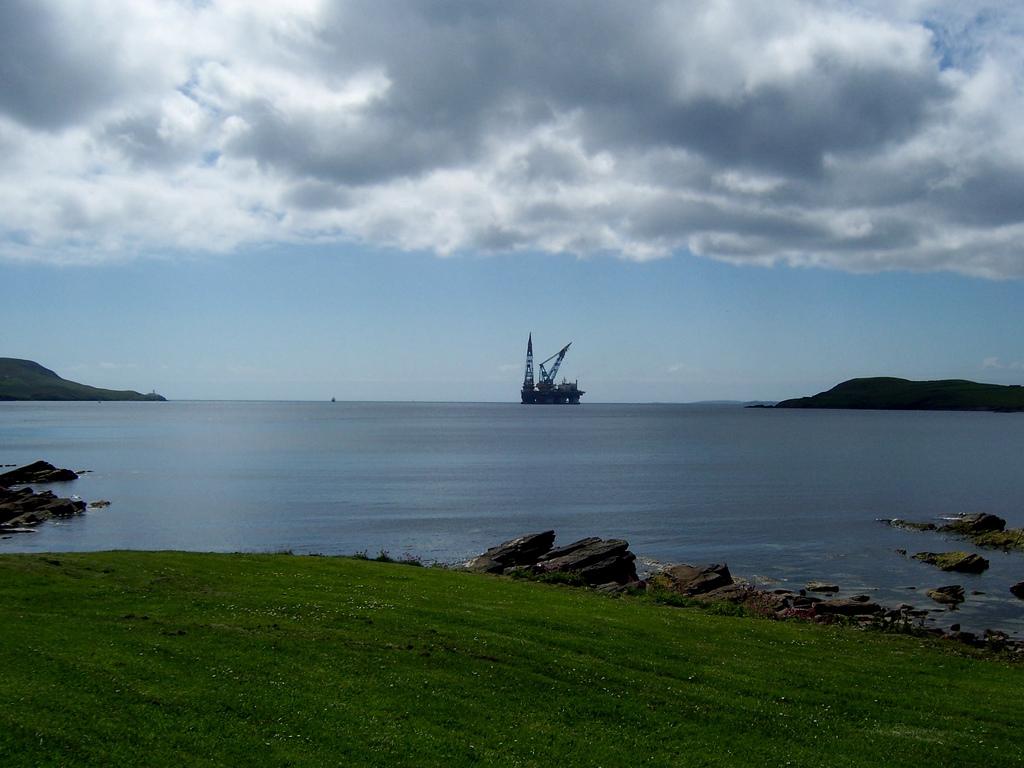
[
  {"x": 549, "y": 378},
  {"x": 547, "y": 391}
]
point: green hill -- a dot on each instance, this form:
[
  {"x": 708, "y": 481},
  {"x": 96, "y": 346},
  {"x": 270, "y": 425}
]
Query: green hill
[
  {"x": 26, "y": 380},
  {"x": 884, "y": 393}
]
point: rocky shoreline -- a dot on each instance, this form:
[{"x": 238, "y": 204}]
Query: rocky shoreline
[
  {"x": 981, "y": 529},
  {"x": 609, "y": 566},
  {"x": 21, "y": 507}
]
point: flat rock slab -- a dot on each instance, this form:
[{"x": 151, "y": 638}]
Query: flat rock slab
[
  {"x": 1009, "y": 538},
  {"x": 523, "y": 550},
  {"x": 693, "y": 579},
  {"x": 36, "y": 472},
  {"x": 620, "y": 569},
  {"x": 598, "y": 561},
  {"x": 950, "y": 595},
  {"x": 730, "y": 593},
  {"x": 850, "y": 607},
  {"x": 569, "y": 549},
  {"x": 821, "y": 586},
  {"x": 961, "y": 562},
  {"x": 583, "y": 553},
  {"x": 982, "y": 522},
  {"x": 911, "y": 525}
]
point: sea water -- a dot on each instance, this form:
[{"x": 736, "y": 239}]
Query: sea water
[{"x": 782, "y": 496}]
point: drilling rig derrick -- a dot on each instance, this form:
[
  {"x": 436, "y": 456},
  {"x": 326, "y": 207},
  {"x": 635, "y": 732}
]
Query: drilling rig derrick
[{"x": 546, "y": 391}]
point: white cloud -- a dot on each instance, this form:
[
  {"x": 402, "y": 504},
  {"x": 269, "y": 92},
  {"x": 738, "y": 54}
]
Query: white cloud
[
  {"x": 858, "y": 136},
  {"x": 997, "y": 364}
]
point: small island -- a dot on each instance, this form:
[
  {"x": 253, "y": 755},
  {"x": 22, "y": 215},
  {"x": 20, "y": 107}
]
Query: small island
[
  {"x": 886, "y": 393},
  {"x": 28, "y": 380}
]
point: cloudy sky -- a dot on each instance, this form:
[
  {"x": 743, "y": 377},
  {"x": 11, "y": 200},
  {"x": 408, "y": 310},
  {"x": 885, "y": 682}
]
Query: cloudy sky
[{"x": 360, "y": 199}]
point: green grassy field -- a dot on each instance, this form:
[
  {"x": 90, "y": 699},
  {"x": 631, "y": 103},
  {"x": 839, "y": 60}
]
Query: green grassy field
[{"x": 191, "y": 659}]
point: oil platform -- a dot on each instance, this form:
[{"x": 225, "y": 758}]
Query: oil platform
[{"x": 546, "y": 391}]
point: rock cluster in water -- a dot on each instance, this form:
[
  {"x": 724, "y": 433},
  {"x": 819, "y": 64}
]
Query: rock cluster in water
[
  {"x": 954, "y": 561},
  {"x": 36, "y": 472},
  {"x": 22, "y": 507},
  {"x": 982, "y": 529},
  {"x": 950, "y": 595}
]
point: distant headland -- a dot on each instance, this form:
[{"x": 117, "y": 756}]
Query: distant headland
[
  {"x": 891, "y": 394},
  {"x": 27, "y": 380}
]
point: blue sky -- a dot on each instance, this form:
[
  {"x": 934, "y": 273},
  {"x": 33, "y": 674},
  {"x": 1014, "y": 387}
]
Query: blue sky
[
  {"x": 315, "y": 198},
  {"x": 354, "y": 323}
]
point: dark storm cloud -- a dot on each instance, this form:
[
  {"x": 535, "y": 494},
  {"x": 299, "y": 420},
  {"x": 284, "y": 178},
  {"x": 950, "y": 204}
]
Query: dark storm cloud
[
  {"x": 461, "y": 73},
  {"x": 51, "y": 76},
  {"x": 318, "y": 195},
  {"x": 140, "y": 138},
  {"x": 376, "y": 150},
  {"x": 992, "y": 196},
  {"x": 671, "y": 220},
  {"x": 546, "y": 162},
  {"x": 452, "y": 71},
  {"x": 786, "y": 129}
]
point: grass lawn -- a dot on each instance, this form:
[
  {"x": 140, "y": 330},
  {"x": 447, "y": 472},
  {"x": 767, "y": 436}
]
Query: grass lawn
[{"x": 197, "y": 659}]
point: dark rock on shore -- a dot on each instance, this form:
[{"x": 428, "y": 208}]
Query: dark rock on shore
[
  {"x": 597, "y": 561},
  {"x": 692, "y": 580},
  {"x": 950, "y": 595},
  {"x": 36, "y": 472},
  {"x": 607, "y": 566},
  {"x": 24, "y": 507},
  {"x": 730, "y": 593},
  {"x": 710, "y": 584},
  {"x": 1011, "y": 538},
  {"x": 847, "y": 607},
  {"x": 804, "y": 602},
  {"x": 981, "y": 528},
  {"x": 971, "y": 525},
  {"x": 910, "y": 525},
  {"x": 821, "y": 586},
  {"x": 961, "y": 562},
  {"x": 569, "y": 549},
  {"x": 523, "y": 550}
]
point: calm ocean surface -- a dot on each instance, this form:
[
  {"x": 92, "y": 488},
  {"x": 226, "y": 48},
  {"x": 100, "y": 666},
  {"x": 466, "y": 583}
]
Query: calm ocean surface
[{"x": 781, "y": 496}]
